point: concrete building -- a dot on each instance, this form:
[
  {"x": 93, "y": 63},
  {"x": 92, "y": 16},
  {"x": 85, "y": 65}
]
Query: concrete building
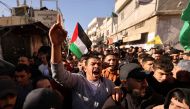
[
  {"x": 24, "y": 32},
  {"x": 94, "y": 31},
  {"x": 100, "y": 30},
  {"x": 47, "y": 17},
  {"x": 111, "y": 30},
  {"x": 140, "y": 21},
  {"x": 26, "y": 15}
]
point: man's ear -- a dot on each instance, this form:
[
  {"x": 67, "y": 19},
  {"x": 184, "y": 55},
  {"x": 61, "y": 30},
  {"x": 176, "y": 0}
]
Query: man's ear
[{"x": 84, "y": 68}]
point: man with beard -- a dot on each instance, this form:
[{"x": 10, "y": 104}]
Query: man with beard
[
  {"x": 88, "y": 92},
  {"x": 138, "y": 94},
  {"x": 174, "y": 54}
]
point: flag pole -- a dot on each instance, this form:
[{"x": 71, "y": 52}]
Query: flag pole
[{"x": 68, "y": 45}]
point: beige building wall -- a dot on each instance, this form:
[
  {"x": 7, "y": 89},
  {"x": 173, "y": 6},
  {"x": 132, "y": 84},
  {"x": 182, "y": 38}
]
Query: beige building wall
[
  {"x": 142, "y": 27},
  {"x": 119, "y": 4},
  {"x": 104, "y": 28},
  {"x": 148, "y": 27},
  {"x": 94, "y": 31},
  {"x": 47, "y": 17},
  {"x": 169, "y": 29},
  {"x": 158, "y": 17},
  {"x": 109, "y": 28},
  {"x": 133, "y": 13},
  {"x": 14, "y": 20}
]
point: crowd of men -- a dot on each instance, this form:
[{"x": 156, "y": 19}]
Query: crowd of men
[{"x": 105, "y": 78}]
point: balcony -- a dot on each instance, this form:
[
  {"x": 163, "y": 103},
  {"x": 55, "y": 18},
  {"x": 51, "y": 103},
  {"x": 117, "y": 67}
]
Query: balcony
[{"x": 120, "y": 4}]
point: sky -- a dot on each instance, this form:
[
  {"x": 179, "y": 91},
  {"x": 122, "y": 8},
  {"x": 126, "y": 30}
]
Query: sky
[{"x": 82, "y": 11}]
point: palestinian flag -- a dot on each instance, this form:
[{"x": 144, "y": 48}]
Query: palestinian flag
[
  {"x": 80, "y": 42},
  {"x": 184, "y": 37},
  {"x": 156, "y": 40}
]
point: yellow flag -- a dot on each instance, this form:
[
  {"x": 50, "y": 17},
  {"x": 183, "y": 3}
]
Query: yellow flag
[{"x": 156, "y": 40}]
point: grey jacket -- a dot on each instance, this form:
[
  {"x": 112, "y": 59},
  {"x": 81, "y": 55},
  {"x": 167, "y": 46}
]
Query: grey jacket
[{"x": 82, "y": 92}]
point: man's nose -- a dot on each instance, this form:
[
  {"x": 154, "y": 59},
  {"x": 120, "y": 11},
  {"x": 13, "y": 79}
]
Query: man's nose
[{"x": 96, "y": 65}]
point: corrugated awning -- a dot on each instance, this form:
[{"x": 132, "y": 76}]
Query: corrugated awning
[{"x": 26, "y": 28}]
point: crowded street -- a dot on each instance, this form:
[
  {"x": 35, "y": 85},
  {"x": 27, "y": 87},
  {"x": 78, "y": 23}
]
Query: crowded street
[{"x": 137, "y": 57}]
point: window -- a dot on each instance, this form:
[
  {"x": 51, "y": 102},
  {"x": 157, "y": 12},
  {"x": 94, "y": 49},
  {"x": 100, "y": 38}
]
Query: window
[
  {"x": 122, "y": 15},
  {"x": 107, "y": 32}
]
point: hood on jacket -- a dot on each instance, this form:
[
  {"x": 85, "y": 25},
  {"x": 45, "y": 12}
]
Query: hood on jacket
[{"x": 181, "y": 93}]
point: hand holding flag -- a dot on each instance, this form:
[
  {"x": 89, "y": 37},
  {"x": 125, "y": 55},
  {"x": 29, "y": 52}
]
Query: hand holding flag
[{"x": 57, "y": 34}]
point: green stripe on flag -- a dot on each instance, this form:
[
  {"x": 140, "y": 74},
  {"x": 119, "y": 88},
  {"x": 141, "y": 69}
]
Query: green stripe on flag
[
  {"x": 75, "y": 50},
  {"x": 184, "y": 36}
]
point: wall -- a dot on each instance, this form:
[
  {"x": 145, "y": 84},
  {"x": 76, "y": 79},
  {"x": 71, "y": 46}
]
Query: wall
[
  {"x": 169, "y": 28},
  {"x": 47, "y": 17},
  {"x": 148, "y": 25},
  {"x": 134, "y": 13},
  {"x": 14, "y": 20}
]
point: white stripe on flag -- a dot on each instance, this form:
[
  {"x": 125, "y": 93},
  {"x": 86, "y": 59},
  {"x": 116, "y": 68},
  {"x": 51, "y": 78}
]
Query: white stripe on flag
[{"x": 81, "y": 45}]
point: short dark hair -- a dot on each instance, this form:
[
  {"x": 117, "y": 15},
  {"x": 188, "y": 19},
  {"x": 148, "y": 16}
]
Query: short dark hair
[
  {"x": 159, "y": 52},
  {"x": 164, "y": 64},
  {"x": 174, "y": 51},
  {"x": 149, "y": 58},
  {"x": 110, "y": 54},
  {"x": 90, "y": 56},
  {"x": 35, "y": 81},
  {"x": 22, "y": 67},
  {"x": 83, "y": 57},
  {"x": 143, "y": 55}
]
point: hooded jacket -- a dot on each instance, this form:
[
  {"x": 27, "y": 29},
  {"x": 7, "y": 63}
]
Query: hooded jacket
[
  {"x": 150, "y": 100},
  {"x": 186, "y": 93}
]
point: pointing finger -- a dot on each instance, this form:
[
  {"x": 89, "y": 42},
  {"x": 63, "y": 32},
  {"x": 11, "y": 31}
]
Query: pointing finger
[{"x": 58, "y": 18}]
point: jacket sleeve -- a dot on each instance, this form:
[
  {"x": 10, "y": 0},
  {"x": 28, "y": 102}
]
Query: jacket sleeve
[{"x": 63, "y": 77}]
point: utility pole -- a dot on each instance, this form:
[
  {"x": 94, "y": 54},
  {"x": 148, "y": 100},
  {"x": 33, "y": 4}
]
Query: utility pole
[
  {"x": 18, "y": 3},
  {"x": 24, "y": 2}
]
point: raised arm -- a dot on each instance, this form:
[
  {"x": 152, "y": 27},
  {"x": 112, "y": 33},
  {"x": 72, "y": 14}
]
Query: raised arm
[{"x": 57, "y": 36}]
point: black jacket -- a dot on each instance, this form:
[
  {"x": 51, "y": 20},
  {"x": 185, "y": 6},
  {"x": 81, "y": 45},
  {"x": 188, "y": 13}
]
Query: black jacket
[
  {"x": 161, "y": 88},
  {"x": 129, "y": 102}
]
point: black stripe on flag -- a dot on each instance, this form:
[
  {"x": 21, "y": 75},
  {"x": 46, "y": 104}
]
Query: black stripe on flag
[{"x": 83, "y": 36}]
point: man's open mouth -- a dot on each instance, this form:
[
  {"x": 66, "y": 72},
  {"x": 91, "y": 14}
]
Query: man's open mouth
[{"x": 96, "y": 72}]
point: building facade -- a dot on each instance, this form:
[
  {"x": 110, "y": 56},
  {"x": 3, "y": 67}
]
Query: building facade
[
  {"x": 143, "y": 20},
  {"x": 24, "y": 32},
  {"x": 140, "y": 21},
  {"x": 94, "y": 32}
]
